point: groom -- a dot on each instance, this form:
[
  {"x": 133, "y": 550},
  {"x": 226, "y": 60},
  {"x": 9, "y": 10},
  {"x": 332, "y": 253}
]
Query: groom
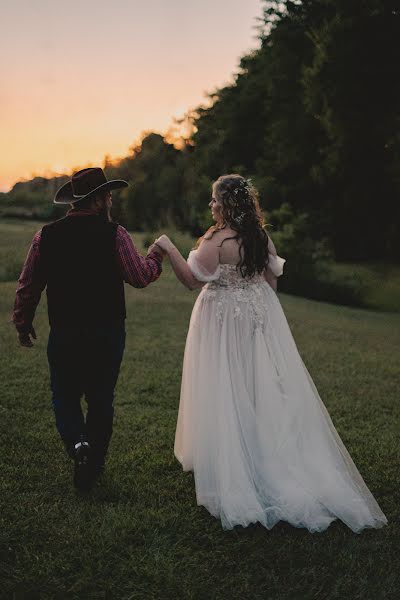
[{"x": 83, "y": 259}]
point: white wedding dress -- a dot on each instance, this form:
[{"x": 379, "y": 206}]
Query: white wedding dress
[{"x": 251, "y": 425}]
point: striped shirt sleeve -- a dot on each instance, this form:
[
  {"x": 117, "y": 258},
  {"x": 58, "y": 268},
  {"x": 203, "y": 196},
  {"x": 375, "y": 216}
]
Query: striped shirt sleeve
[
  {"x": 31, "y": 283},
  {"x": 136, "y": 270}
]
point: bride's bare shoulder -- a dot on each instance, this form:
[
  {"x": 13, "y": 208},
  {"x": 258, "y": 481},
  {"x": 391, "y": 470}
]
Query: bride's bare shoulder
[
  {"x": 226, "y": 233},
  {"x": 219, "y": 235}
]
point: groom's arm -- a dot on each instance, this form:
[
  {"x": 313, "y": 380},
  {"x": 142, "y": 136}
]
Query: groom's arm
[
  {"x": 31, "y": 283},
  {"x": 137, "y": 270}
]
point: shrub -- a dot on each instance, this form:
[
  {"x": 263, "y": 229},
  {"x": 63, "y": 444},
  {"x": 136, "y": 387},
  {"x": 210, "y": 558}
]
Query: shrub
[{"x": 309, "y": 270}]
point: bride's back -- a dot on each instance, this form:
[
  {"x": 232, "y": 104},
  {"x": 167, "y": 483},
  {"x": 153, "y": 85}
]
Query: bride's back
[
  {"x": 222, "y": 248},
  {"x": 228, "y": 247}
]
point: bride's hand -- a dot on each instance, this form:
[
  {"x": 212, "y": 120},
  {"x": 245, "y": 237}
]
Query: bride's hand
[{"x": 164, "y": 243}]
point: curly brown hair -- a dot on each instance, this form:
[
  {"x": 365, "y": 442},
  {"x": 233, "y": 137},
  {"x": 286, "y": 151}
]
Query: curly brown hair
[{"x": 240, "y": 210}]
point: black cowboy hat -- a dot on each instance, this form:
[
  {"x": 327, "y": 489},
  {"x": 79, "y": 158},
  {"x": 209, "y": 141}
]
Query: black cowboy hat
[{"x": 84, "y": 183}]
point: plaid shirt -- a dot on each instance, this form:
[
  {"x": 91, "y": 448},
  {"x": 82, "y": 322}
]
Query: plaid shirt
[{"x": 135, "y": 269}]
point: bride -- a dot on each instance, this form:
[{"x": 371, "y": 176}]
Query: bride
[{"x": 251, "y": 425}]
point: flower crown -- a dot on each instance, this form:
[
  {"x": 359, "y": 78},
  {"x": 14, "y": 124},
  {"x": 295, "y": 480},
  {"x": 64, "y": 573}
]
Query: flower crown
[{"x": 244, "y": 185}]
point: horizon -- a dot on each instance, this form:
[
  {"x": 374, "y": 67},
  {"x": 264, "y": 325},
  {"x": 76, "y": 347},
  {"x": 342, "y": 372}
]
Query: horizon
[{"x": 55, "y": 118}]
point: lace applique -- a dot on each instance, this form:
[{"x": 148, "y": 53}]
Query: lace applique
[{"x": 244, "y": 293}]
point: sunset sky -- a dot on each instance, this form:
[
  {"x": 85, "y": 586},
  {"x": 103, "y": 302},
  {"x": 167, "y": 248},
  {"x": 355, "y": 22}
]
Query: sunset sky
[{"x": 83, "y": 78}]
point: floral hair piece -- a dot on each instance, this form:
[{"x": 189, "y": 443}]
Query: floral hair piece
[
  {"x": 243, "y": 186},
  {"x": 240, "y": 218}
]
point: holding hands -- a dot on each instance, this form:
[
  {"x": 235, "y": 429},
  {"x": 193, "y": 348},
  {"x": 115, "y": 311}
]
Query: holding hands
[
  {"x": 156, "y": 248},
  {"x": 164, "y": 243},
  {"x": 178, "y": 263}
]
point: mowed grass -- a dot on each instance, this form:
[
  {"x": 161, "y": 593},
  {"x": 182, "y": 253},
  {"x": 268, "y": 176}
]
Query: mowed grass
[
  {"x": 139, "y": 534},
  {"x": 15, "y": 237}
]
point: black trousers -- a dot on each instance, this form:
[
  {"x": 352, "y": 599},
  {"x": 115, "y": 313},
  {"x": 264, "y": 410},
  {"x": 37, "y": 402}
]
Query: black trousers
[{"x": 85, "y": 361}]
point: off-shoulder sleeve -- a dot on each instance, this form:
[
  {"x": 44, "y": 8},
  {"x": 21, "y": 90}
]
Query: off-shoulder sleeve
[
  {"x": 275, "y": 262},
  {"x": 203, "y": 266}
]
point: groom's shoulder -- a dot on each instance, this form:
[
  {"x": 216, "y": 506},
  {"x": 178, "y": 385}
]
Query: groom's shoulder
[
  {"x": 48, "y": 227},
  {"x": 120, "y": 231},
  {"x": 55, "y": 223},
  {"x": 122, "y": 236}
]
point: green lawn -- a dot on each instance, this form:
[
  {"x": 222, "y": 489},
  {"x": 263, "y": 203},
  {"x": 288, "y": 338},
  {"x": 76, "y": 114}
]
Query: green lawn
[{"x": 140, "y": 534}]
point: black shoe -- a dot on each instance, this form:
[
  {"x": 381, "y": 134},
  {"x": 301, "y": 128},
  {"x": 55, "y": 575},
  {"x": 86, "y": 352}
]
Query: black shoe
[
  {"x": 96, "y": 470},
  {"x": 82, "y": 470}
]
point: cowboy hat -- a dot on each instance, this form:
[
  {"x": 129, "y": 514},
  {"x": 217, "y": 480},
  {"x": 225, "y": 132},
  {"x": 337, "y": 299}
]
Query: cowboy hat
[{"x": 84, "y": 183}]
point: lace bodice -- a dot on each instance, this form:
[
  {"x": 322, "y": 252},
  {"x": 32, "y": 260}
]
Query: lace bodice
[
  {"x": 246, "y": 297},
  {"x": 230, "y": 277}
]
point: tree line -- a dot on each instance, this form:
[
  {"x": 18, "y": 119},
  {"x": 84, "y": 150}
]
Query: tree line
[{"x": 312, "y": 116}]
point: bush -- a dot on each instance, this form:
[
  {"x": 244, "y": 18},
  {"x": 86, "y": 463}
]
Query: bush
[
  {"x": 309, "y": 271},
  {"x": 24, "y": 204}
]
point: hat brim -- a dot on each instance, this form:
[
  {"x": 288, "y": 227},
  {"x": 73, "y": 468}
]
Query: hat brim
[{"x": 65, "y": 194}]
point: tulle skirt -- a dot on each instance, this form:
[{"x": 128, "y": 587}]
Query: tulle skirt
[{"x": 252, "y": 426}]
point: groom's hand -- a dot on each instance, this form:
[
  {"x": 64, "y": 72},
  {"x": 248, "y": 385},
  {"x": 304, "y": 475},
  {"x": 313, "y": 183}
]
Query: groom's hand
[
  {"x": 156, "y": 248},
  {"x": 24, "y": 338},
  {"x": 164, "y": 243}
]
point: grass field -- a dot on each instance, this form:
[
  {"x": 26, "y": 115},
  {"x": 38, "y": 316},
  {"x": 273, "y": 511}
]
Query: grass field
[{"x": 139, "y": 534}]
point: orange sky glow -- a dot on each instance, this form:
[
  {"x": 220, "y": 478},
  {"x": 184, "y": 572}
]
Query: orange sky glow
[{"x": 83, "y": 79}]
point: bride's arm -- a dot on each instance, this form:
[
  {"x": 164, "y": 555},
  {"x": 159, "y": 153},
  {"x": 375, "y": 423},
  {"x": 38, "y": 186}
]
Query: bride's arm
[
  {"x": 181, "y": 269},
  {"x": 275, "y": 267},
  {"x": 207, "y": 261}
]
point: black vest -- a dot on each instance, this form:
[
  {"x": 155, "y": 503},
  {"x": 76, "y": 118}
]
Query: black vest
[{"x": 84, "y": 284}]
